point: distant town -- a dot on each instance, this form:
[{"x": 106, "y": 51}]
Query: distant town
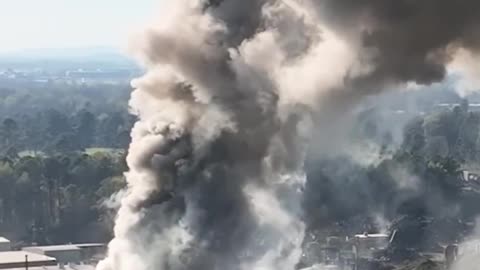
[
  {"x": 77, "y": 76},
  {"x": 73, "y": 67}
]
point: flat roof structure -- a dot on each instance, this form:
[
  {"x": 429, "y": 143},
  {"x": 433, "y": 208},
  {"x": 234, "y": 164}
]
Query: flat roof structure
[
  {"x": 90, "y": 245},
  {"x": 373, "y": 235},
  {"x": 53, "y": 248},
  {"x": 17, "y": 259},
  {"x": 57, "y": 267},
  {"x": 70, "y": 253},
  {"x": 65, "y": 247}
]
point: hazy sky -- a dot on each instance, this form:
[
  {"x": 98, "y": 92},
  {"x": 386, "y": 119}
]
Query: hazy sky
[{"x": 70, "y": 23}]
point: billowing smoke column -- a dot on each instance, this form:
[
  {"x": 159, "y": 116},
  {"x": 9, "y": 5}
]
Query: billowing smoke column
[
  {"x": 216, "y": 157},
  {"x": 225, "y": 111}
]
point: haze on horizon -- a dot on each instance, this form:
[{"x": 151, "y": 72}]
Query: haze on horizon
[{"x": 31, "y": 24}]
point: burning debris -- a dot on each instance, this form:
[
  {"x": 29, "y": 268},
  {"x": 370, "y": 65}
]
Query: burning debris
[{"x": 233, "y": 92}]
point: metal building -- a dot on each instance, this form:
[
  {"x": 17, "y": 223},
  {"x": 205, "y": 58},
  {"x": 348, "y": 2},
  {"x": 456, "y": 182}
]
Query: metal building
[
  {"x": 57, "y": 267},
  {"x": 23, "y": 259},
  {"x": 72, "y": 253},
  {"x": 63, "y": 253}
]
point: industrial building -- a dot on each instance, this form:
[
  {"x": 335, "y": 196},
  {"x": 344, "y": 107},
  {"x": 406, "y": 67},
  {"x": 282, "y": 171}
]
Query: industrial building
[
  {"x": 71, "y": 253},
  {"x": 57, "y": 267},
  {"x": 58, "y": 257},
  {"x": 92, "y": 252},
  {"x": 23, "y": 259}
]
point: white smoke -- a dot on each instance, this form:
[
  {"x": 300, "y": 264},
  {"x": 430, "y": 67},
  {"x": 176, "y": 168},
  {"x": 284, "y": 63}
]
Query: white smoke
[
  {"x": 469, "y": 251},
  {"x": 466, "y": 65}
]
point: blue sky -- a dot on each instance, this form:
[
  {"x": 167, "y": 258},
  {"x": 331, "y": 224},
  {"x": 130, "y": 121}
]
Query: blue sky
[{"x": 28, "y": 24}]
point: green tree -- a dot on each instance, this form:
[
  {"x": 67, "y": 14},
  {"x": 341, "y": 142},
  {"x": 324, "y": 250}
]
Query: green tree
[
  {"x": 85, "y": 129},
  {"x": 7, "y": 184},
  {"x": 9, "y": 132},
  {"x": 414, "y": 136}
]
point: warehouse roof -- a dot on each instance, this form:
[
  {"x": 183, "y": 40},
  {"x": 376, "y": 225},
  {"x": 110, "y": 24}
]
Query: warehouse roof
[
  {"x": 88, "y": 245},
  {"x": 53, "y": 248},
  {"x": 373, "y": 235},
  {"x": 8, "y": 257},
  {"x": 57, "y": 267}
]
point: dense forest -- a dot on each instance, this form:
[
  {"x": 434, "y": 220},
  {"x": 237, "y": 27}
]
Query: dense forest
[
  {"x": 60, "y": 118},
  {"x": 62, "y": 152}
]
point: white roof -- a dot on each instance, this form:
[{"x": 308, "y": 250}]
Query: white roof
[
  {"x": 373, "y": 235},
  {"x": 56, "y": 267},
  {"x": 53, "y": 248},
  {"x": 87, "y": 245},
  {"x": 4, "y": 240},
  {"x": 19, "y": 257}
]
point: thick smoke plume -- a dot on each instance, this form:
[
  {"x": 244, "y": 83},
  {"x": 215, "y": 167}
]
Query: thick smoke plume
[
  {"x": 409, "y": 40},
  {"x": 232, "y": 92}
]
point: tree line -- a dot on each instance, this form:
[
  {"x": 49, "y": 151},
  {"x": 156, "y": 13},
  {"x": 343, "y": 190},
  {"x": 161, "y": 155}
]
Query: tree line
[
  {"x": 66, "y": 118},
  {"x": 62, "y": 153},
  {"x": 53, "y": 199}
]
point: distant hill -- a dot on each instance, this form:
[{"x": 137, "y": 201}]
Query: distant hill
[{"x": 76, "y": 56}]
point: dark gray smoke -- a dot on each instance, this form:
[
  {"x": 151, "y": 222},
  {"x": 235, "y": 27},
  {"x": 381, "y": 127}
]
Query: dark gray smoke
[
  {"x": 410, "y": 40},
  {"x": 216, "y": 161}
]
